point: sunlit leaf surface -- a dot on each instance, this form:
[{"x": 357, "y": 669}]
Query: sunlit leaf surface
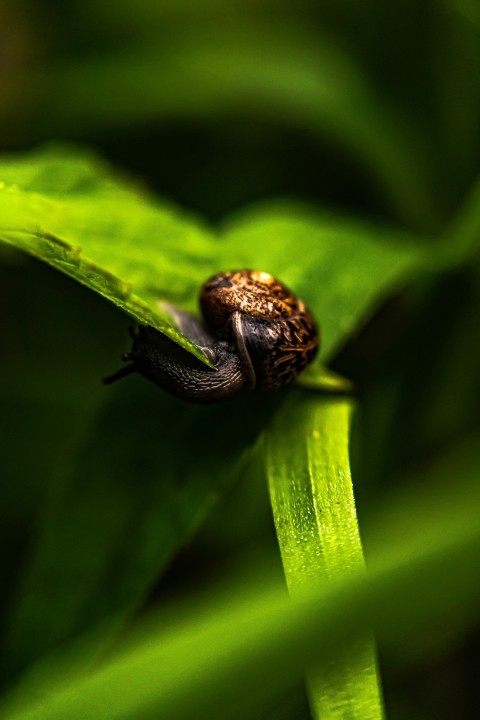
[{"x": 64, "y": 207}]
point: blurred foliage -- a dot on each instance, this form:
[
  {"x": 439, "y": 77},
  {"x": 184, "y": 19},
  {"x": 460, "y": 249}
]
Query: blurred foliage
[
  {"x": 198, "y": 660},
  {"x": 366, "y": 117},
  {"x": 257, "y": 92}
]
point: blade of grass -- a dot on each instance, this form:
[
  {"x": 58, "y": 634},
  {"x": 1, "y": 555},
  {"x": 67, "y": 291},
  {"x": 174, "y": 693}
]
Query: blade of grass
[{"x": 314, "y": 512}]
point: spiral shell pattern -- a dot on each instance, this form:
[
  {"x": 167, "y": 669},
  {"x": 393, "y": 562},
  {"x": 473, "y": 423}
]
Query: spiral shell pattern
[{"x": 274, "y": 331}]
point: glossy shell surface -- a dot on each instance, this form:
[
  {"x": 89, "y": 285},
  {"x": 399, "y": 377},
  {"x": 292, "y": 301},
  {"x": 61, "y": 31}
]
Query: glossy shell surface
[{"x": 274, "y": 331}]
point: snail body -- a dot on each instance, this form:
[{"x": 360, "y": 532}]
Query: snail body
[{"x": 254, "y": 330}]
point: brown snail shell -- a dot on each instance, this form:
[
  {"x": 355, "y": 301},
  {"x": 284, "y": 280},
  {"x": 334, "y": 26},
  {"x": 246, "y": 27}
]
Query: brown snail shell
[{"x": 275, "y": 333}]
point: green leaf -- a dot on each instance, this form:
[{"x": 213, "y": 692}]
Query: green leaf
[
  {"x": 314, "y": 511},
  {"x": 342, "y": 268},
  {"x": 63, "y": 207}
]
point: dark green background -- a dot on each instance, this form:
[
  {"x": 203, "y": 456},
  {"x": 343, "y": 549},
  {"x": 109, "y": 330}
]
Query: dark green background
[{"x": 368, "y": 109}]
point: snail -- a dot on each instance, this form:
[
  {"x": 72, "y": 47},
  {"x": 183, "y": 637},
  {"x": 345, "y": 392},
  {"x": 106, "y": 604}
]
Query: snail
[{"x": 254, "y": 330}]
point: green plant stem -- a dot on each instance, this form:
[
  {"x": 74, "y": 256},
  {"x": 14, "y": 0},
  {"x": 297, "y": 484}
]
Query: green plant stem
[{"x": 314, "y": 511}]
